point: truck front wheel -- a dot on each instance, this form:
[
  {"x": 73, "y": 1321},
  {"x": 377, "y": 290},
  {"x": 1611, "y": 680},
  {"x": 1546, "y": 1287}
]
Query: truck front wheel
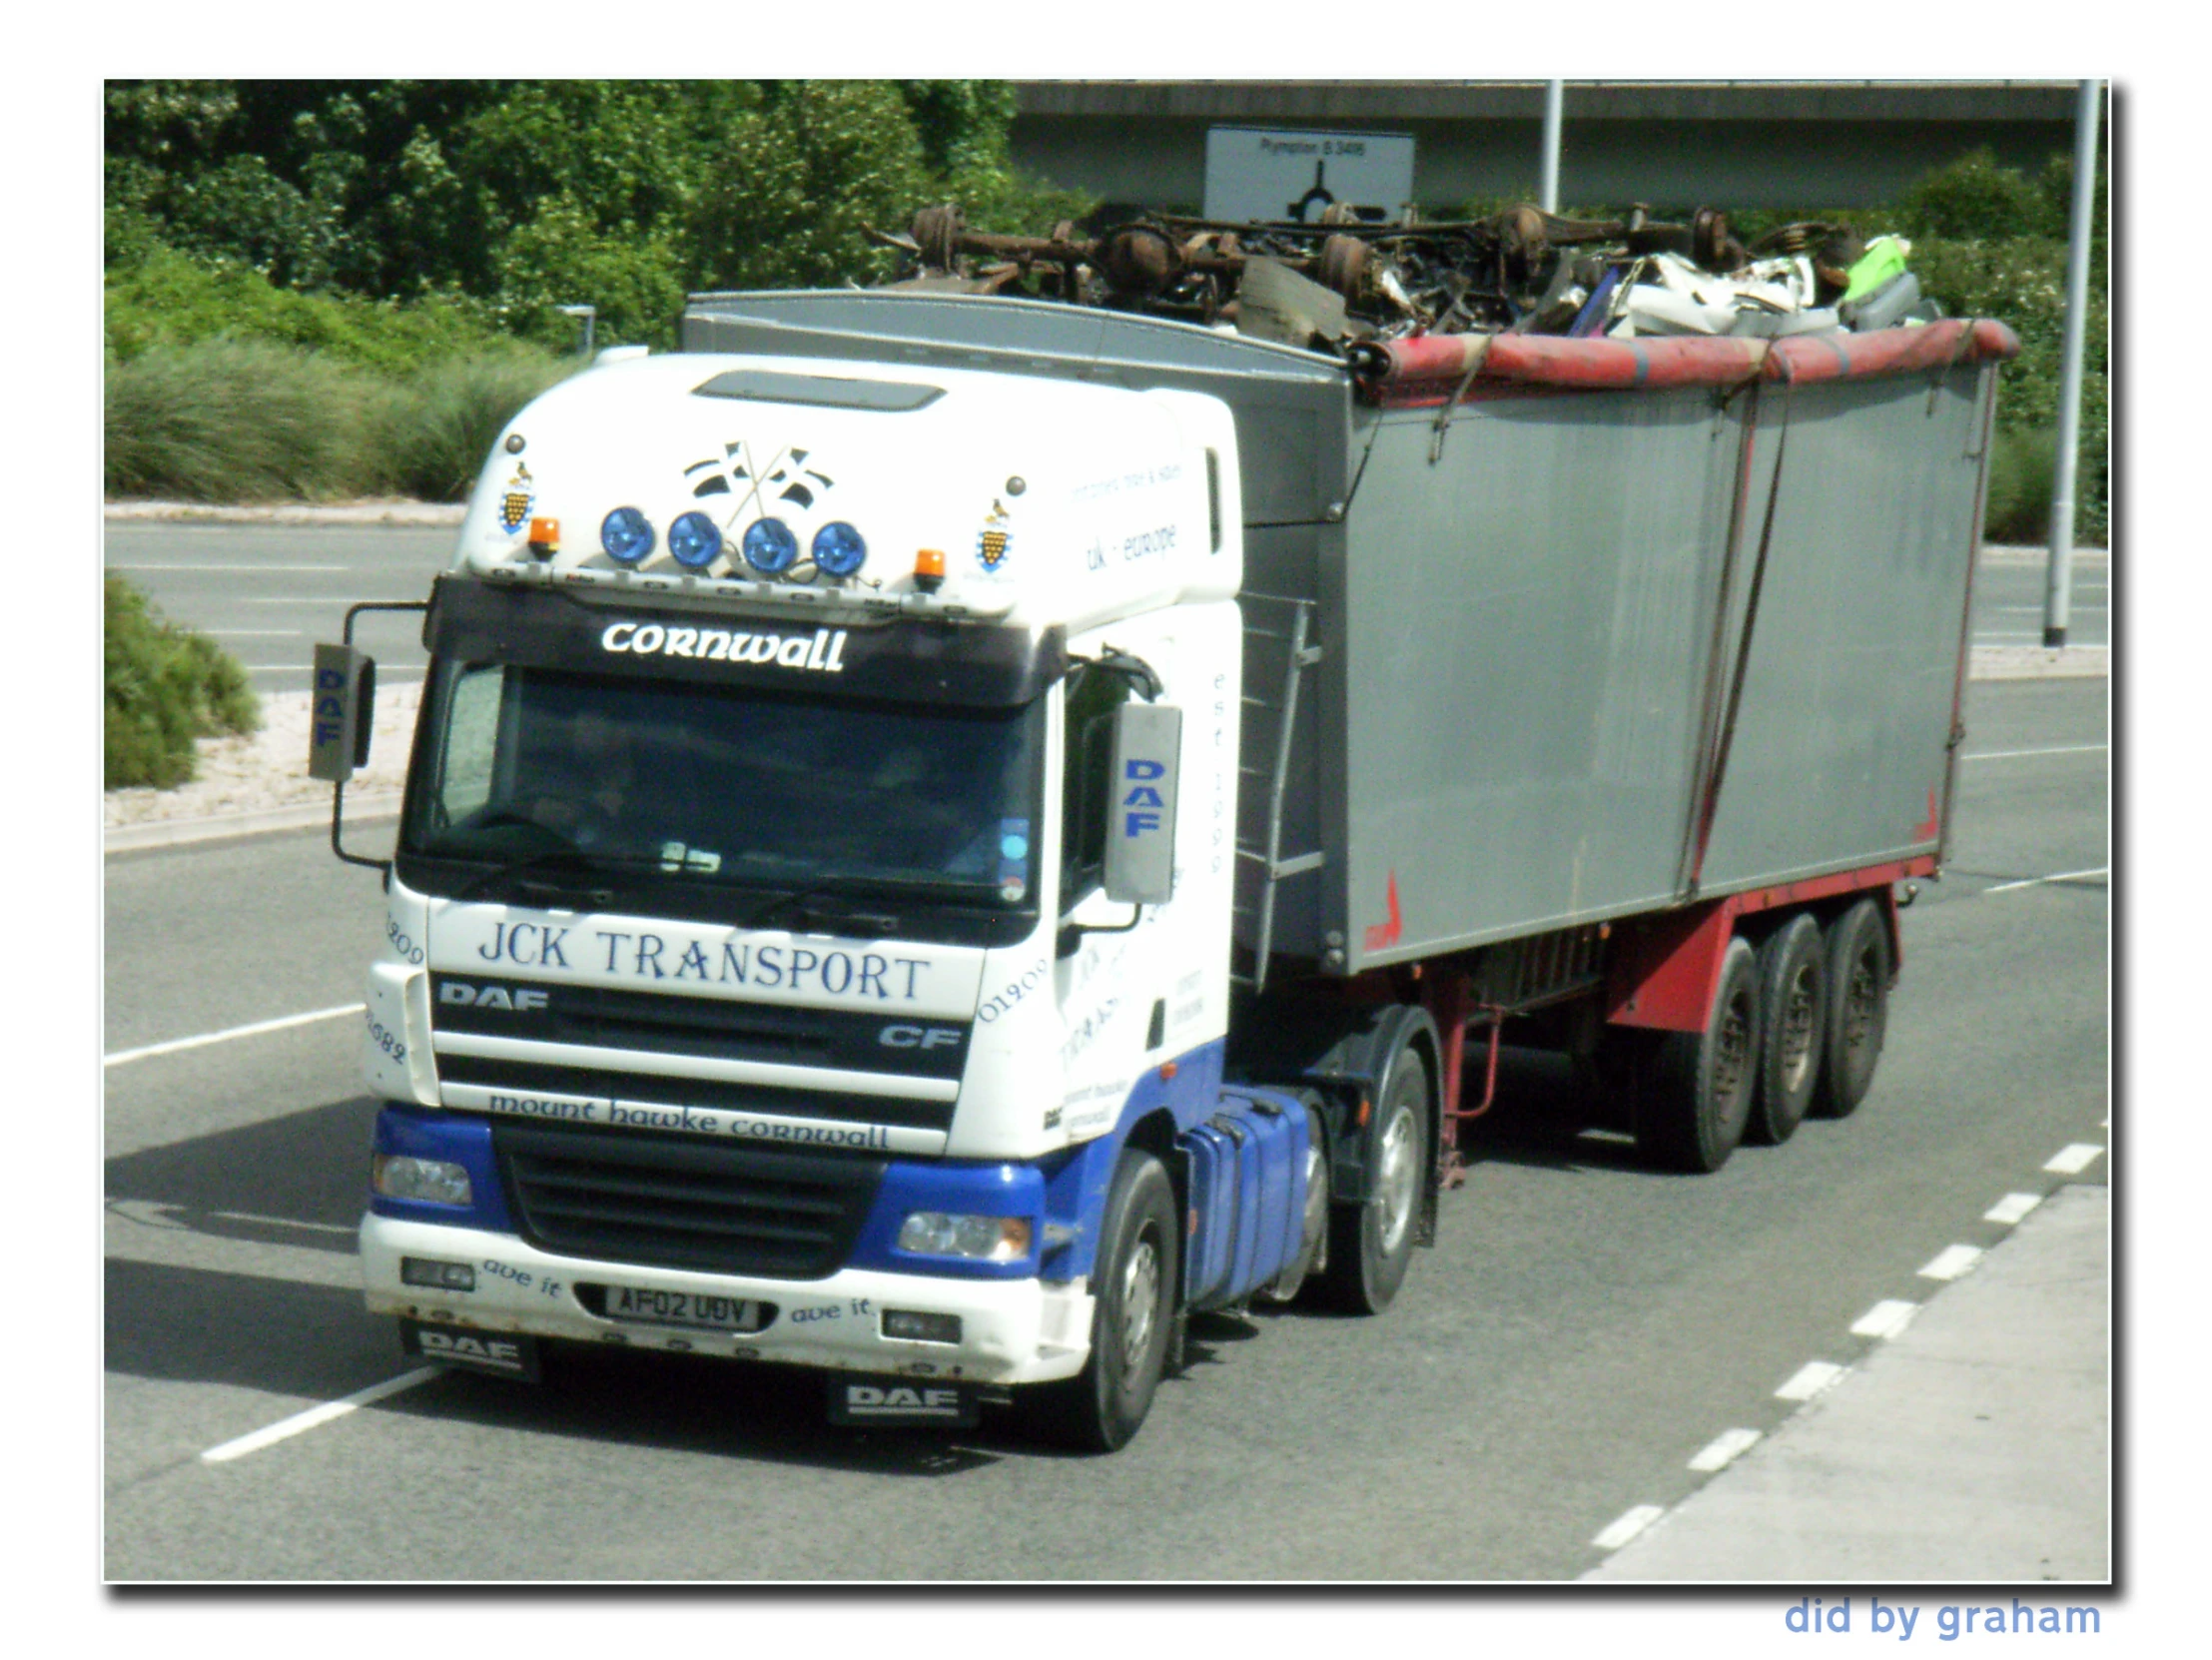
[
  {"x": 1372, "y": 1243},
  {"x": 1138, "y": 1268},
  {"x": 1699, "y": 1096}
]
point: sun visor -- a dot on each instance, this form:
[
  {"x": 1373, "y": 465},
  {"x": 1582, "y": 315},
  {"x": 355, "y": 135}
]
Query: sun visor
[{"x": 925, "y": 660}]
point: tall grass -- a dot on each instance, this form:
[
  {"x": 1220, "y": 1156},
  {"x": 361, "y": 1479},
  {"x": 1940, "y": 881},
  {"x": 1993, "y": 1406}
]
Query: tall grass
[
  {"x": 236, "y": 420},
  {"x": 434, "y": 430},
  {"x": 165, "y": 686}
]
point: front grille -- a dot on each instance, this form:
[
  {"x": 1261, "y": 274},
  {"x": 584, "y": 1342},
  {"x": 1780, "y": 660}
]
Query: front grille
[{"x": 674, "y": 1202}]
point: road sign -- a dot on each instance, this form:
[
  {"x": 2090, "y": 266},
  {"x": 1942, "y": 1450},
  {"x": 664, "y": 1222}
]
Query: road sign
[{"x": 1266, "y": 172}]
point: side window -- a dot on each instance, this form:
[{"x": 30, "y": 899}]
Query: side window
[
  {"x": 465, "y": 766},
  {"x": 1092, "y": 696}
]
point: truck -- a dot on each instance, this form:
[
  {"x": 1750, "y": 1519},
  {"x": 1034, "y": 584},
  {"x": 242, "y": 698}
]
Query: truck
[{"x": 945, "y": 834}]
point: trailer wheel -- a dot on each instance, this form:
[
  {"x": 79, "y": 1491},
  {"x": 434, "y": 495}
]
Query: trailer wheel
[
  {"x": 1857, "y": 1011},
  {"x": 1702, "y": 1083},
  {"x": 1372, "y": 1243},
  {"x": 1102, "y": 1407},
  {"x": 1313, "y": 1239},
  {"x": 1792, "y": 1008}
]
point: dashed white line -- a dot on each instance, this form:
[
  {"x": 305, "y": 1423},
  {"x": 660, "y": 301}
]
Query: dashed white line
[
  {"x": 254, "y": 1030},
  {"x": 1724, "y": 1449},
  {"x": 1808, "y": 1381},
  {"x": 1951, "y": 1261},
  {"x": 1628, "y": 1524},
  {"x": 2038, "y": 881},
  {"x": 2054, "y": 749},
  {"x": 253, "y": 633},
  {"x": 300, "y": 1423},
  {"x": 2012, "y": 1208},
  {"x": 2074, "y": 1159},
  {"x": 1885, "y": 1319},
  {"x": 256, "y": 569},
  {"x": 278, "y": 668}
]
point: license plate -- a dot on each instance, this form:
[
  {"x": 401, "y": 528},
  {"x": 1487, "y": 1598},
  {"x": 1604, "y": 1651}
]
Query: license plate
[{"x": 719, "y": 1313}]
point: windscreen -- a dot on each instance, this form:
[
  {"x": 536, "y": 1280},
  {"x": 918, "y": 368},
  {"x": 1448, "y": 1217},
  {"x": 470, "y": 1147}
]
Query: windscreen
[{"x": 723, "y": 803}]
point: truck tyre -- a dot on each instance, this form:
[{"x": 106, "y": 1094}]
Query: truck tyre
[
  {"x": 1134, "y": 1283},
  {"x": 1857, "y": 1011},
  {"x": 1792, "y": 1009},
  {"x": 1313, "y": 1239},
  {"x": 1702, "y": 1083},
  {"x": 1372, "y": 1243}
]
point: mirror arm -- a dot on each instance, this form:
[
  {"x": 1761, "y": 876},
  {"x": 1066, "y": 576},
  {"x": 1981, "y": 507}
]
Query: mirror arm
[
  {"x": 363, "y": 716},
  {"x": 1069, "y": 940}
]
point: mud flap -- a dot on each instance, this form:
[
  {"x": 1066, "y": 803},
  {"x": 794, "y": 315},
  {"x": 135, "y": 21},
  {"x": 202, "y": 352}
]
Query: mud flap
[{"x": 877, "y": 1402}]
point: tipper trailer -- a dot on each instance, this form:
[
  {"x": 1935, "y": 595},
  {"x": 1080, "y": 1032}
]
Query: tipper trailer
[{"x": 945, "y": 834}]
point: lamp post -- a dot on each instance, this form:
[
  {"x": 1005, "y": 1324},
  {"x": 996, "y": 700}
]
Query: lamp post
[
  {"x": 590, "y": 315},
  {"x": 1555, "y": 99},
  {"x": 2058, "y": 579}
]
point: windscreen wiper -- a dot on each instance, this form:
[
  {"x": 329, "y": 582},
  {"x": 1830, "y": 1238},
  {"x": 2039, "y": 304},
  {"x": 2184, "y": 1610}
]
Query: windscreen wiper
[
  {"x": 903, "y": 887},
  {"x": 517, "y": 868}
]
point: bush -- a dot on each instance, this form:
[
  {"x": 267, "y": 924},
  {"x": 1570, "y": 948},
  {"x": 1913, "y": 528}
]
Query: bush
[
  {"x": 164, "y": 298},
  {"x": 435, "y": 430},
  {"x": 229, "y": 421},
  {"x": 165, "y": 686},
  {"x": 2021, "y": 468}
]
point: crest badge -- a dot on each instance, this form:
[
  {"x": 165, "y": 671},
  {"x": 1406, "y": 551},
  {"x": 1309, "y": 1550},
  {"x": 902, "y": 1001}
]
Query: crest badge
[
  {"x": 995, "y": 540},
  {"x": 515, "y": 502}
]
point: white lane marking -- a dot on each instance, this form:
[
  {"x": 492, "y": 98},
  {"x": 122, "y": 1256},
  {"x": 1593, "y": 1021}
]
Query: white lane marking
[
  {"x": 1724, "y": 1449},
  {"x": 1808, "y": 1381},
  {"x": 1951, "y": 1261},
  {"x": 2038, "y": 881},
  {"x": 2037, "y": 610},
  {"x": 278, "y": 668},
  {"x": 1885, "y": 1319},
  {"x": 2055, "y": 750},
  {"x": 305, "y": 599},
  {"x": 300, "y": 1423},
  {"x": 256, "y": 569},
  {"x": 1630, "y": 1523},
  {"x": 2074, "y": 1159},
  {"x": 2012, "y": 1208},
  {"x": 254, "y": 1030},
  {"x": 267, "y": 634}
]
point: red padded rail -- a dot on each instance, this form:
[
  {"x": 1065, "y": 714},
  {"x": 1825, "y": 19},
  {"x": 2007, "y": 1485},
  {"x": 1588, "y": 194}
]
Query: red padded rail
[{"x": 1430, "y": 369}]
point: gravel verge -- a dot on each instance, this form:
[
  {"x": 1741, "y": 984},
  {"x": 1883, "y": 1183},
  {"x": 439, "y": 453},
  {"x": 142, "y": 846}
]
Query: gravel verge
[{"x": 268, "y": 772}]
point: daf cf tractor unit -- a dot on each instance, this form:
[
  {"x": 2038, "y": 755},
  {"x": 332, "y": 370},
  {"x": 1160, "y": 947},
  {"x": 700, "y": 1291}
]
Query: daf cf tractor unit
[{"x": 947, "y": 834}]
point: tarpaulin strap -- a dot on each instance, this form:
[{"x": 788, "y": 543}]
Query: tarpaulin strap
[
  {"x": 1744, "y": 642},
  {"x": 1476, "y": 357}
]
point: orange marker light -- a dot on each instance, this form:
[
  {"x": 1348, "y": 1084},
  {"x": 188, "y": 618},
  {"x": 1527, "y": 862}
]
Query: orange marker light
[
  {"x": 929, "y": 568},
  {"x": 545, "y": 536}
]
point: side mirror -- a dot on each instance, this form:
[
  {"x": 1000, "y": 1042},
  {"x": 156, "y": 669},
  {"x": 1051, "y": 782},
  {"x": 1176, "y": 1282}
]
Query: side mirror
[
  {"x": 1140, "y": 805},
  {"x": 342, "y": 715}
]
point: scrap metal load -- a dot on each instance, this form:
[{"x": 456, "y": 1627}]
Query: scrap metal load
[{"x": 1352, "y": 280}]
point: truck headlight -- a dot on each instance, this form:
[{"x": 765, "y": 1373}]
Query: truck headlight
[
  {"x": 433, "y": 1180},
  {"x": 986, "y": 1239}
]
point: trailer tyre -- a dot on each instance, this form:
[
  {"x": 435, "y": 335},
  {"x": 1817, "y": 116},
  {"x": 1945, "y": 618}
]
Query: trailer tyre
[
  {"x": 1102, "y": 1407},
  {"x": 1792, "y": 1010},
  {"x": 1859, "y": 974},
  {"x": 1700, "y": 1087},
  {"x": 1370, "y": 1245}
]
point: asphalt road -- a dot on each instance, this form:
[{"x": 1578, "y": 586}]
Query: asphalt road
[
  {"x": 266, "y": 593},
  {"x": 1582, "y": 1328}
]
